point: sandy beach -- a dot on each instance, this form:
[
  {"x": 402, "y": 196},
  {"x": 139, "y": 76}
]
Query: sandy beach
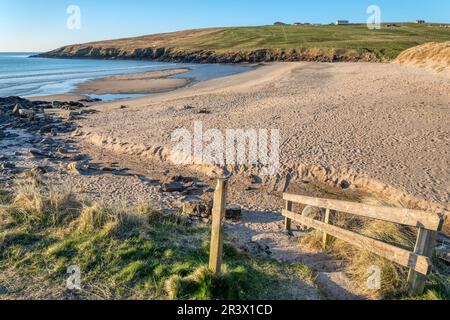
[
  {"x": 356, "y": 122},
  {"x": 199, "y": 152},
  {"x": 372, "y": 133}
]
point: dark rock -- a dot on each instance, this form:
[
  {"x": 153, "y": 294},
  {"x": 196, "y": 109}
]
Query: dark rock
[
  {"x": 57, "y": 104},
  {"x": 89, "y": 100},
  {"x": 46, "y": 129},
  {"x": 40, "y": 154},
  {"x": 75, "y": 104},
  {"x": 7, "y": 165},
  {"x": 172, "y": 187},
  {"x": 38, "y": 170},
  {"x": 197, "y": 209},
  {"x": 204, "y": 111},
  {"x": 233, "y": 213},
  {"x": 345, "y": 184},
  {"x": 26, "y": 113},
  {"x": 78, "y": 157}
]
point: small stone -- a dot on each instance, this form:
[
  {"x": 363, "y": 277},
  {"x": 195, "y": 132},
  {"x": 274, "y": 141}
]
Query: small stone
[
  {"x": 39, "y": 170},
  {"x": 46, "y": 129},
  {"x": 24, "y": 113},
  {"x": 74, "y": 167},
  {"x": 345, "y": 184},
  {"x": 17, "y": 108},
  {"x": 7, "y": 165},
  {"x": 233, "y": 213},
  {"x": 37, "y": 154},
  {"x": 185, "y": 107},
  {"x": 204, "y": 111},
  {"x": 197, "y": 208},
  {"x": 57, "y": 104},
  {"x": 172, "y": 187},
  {"x": 252, "y": 179}
]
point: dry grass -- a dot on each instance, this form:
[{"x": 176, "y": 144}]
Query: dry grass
[
  {"x": 359, "y": 262},
  {"x": 122, "y": 252},
  {"x": 435, "y": 56},
  {"x": 34, "y": 205}
]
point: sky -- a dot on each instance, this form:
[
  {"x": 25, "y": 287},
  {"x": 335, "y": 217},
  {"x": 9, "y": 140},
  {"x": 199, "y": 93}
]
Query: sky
[{"x": 41, "y": 25}]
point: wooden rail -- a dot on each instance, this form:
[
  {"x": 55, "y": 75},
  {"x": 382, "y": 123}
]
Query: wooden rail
[{"x": 419, "y": 261}]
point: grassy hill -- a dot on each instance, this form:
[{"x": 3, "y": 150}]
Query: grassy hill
[{"x": 266, "y": 43}]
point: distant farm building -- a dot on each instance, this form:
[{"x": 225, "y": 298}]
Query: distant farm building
[{"x": 342, "y": 22}]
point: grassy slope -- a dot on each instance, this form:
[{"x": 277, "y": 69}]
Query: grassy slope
[
  {"x": 388, "y": 41},
  {"x": 123, "y": 253}
]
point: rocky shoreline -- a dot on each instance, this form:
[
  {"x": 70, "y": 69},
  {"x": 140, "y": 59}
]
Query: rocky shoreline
[
  {"x": 208, "y": 56},
  {"x": 29, "y": 135},
  {"x": 38, "y": 139}
]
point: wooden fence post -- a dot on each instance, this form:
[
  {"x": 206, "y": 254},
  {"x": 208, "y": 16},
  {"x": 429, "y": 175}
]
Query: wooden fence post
[
  {"x": 425, "y": 244},
  {"x": 218, "y": 217},
  {"x": 287, "y": 221},
  {"x": 325, "y": 235}
]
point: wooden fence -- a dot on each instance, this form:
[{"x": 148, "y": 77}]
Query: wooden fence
[{"x": 419, "y": 261}]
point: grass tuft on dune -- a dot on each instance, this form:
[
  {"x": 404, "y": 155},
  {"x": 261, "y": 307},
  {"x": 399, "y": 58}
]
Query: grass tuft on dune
[{"x": 435, "y": 56}]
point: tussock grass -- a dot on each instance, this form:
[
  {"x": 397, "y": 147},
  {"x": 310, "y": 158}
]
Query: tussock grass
[
  {"x": 393, "y": 276},
  {"x": 37, "y": 206},
  {"x": 122, "y": 252},
  {"x": 430, "y": 55}
]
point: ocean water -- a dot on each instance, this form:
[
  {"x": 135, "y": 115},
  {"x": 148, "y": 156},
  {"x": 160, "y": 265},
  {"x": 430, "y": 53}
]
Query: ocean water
[{"x": 21, "y": 75}]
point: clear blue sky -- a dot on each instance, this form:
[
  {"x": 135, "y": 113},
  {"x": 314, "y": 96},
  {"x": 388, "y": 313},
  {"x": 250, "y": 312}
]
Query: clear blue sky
[{"x": 40, "y": 25}]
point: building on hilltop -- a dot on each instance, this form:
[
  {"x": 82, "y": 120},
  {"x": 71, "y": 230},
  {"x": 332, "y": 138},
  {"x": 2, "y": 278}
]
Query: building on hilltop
[{"x": 342, "y": 22}]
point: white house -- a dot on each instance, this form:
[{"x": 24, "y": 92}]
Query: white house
[{"x": 342, "y": 22}]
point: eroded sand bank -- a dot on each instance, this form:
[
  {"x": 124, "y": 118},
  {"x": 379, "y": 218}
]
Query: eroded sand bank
[{"x": 383, "y": 128}]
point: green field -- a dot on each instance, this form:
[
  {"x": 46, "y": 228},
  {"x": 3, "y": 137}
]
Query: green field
[
  {"x": 389, "y": 40},
  {"x": 352, "y": 43}
]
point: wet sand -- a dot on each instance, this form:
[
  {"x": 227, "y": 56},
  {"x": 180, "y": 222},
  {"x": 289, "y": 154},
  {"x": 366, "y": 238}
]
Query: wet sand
[{"x": 137, "y": 83}]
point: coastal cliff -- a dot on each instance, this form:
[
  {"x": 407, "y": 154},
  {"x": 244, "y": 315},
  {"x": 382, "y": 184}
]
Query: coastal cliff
[{"x": 212, "y": 56}]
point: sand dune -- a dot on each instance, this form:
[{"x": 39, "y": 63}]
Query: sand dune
[{"x": 432, "y": 56}]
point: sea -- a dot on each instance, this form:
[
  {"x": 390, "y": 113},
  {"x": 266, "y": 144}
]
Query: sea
[{"x": 26, "y": 76}]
